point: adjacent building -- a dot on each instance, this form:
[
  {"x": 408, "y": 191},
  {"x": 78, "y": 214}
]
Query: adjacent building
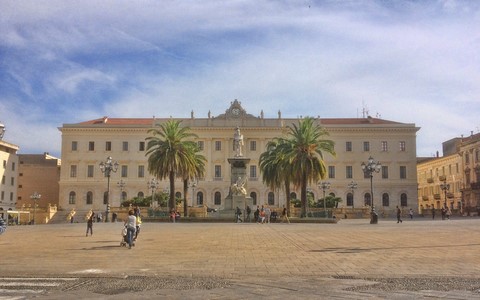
[
  {"x": 86, "y": 144},
  {"x": 8, "y": 173}
]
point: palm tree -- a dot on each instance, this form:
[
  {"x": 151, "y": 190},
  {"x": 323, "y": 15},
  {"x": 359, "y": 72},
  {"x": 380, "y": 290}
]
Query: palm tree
[
  {"x": 197, "y": 171},
  {"x": 304, "y": 155},
  {"x": 170, "y": 153},
  {"x": 275, "y": 169}
]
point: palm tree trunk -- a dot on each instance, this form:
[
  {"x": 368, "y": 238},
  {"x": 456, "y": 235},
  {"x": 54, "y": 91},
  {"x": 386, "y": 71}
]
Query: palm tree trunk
[
  {"x": 287, "y": 192},
  {"x": 185, "y": 191},
  {"x": 303, "y": 196},
  {"x": 171, "y": 201}
]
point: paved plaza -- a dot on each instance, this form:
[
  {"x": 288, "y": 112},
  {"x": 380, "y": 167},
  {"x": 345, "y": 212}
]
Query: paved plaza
[{"x": 352, "y": 259}]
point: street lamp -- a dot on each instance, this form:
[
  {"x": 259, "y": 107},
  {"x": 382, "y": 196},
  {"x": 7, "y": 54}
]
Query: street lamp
[
  {"x": 35, "y": 197},
  {"x": 108, "y": 167},
  {"x": 445, "y": 187},
  {"x": 324, "y": 185},
  {"x": 121, "y": 184},
  {"x": 369, "y": 168},
  {"x": 193, "y": 185},
  {"x": 353, "y": 185},
  {"x": 153, "y": 185}
]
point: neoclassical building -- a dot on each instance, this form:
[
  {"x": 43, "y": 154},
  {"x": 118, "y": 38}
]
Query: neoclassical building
[
  {"x": 8, "y": 173},
  {"x": 85, "y": 145}
]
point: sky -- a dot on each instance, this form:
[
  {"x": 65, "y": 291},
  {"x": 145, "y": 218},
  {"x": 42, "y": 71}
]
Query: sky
[{"x": 66, "y": 62}]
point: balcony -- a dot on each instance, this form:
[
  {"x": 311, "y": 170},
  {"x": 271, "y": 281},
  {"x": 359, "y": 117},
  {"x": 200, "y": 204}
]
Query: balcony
[
  {"x": 425, "y": 198},
  {"x": 450, "y": 195},
  {"x": 437, "y": 196},
  {"x": 429, "y": 180},
  {"x": 442, "y": 178}
]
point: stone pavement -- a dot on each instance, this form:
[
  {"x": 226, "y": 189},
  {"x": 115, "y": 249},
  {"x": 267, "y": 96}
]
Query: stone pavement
[{"x": 352, "y": 259}]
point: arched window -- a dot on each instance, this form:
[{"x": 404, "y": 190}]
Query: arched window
[
  {"x": 293, "y": 195},
  {"x": 105, "y": 198},
  {"x": 332, "y": 194},
  {"x": 253, "y": 195},
  {"x": 367, "y": 198},
  {"x": 72, "y": 197},
  {"x": 89, "y": 198},
  {"x": 271, "y": 198},
  {"x": 124, "y": 196},
  {"x": 349, "y": 199},
  {"x": 403, "y": 200},
  {"x": 217, "y": 198},
  {"x": 199, "y": 198},
  {"x": 385, "y": 199},
  {"x": 178, "y": 195},
  {"x": 140, "y": 195}
]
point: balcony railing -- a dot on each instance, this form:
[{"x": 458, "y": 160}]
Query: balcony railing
[
  {"x": 429, "y": 180},
  {"x": 437, "y": 196}
]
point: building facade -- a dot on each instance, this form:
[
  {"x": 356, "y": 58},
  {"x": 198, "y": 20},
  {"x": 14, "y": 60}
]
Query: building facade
[
  {"x": 85, "y": 145},
  {"x": 469, "y": 151},
  {"x": 8, "y": 173},
  {"x": 38, "y": 173}
]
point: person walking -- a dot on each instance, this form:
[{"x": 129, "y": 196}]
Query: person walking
[
  {"x": 256, "y": 214},
  {"x": 3, "y": 225},
  {"x": 433, "y": 213},
  {"x": 131, "y": 224},
  {"x": 399, "y": 215},
  {"x": 268, "y": 214},
  {"x": 285, "y": 215},
  {"x": 249, "y": 211},
  {"x": 411, "y": 214},
  {"x": 238, "y": 214},
  {"x": 90, "y": 218}
]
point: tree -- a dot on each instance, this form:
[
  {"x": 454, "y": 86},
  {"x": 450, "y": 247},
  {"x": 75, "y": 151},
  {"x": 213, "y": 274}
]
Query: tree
[
  {"x": 304, "y": 155},
  {"x": 195, "y": 170},
  {"x": 170, "y": 153},
  {"x": 275, "y": 169}
]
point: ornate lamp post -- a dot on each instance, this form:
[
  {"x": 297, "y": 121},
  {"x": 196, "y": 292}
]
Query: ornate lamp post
[
  {"x": 352, "y": 186},
  {"x": 153, "y": 185},
  {"x": 35, "y": 197},
  {"x": 107, "y": 168},
  {"x": 445, "y": 187},
  {"x": 324, "y": 185},
  {"x": 121, "y": 184},
  {"x": 369, "y": 168},
  {"x": 193, "y": 185}
]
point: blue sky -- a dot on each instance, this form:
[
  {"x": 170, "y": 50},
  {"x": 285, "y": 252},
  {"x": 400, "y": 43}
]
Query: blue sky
[{"x": 72, "y": 61}]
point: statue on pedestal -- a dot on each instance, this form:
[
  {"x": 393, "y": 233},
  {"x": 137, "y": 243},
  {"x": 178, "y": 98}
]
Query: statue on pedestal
[
  {"x": 238, "y": 142},
  {"x": 238, "y": 188}
]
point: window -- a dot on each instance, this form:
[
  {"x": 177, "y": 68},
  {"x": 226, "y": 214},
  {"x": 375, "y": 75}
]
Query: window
[
  {"x": 367, "y": 198},
  {"x": 141, "y": 146},
  {"x": 348, "y": 146},
  {"x": 401, "y": 144},
  {"x": 3, "y": 195},
  {"x": 71, "y": 198},
  {"x": 218, "y": 171},
  {"x": 74, "y": 145},
  {"x": 89, "y": 198},
  {"x": 218, "y": 145},
  {"x": 91, "y": 146},
  {"x": 11, "y": 196},
  {"x": 477, "y": 156},
  {"x": 124, "y": 196},
  {"x": 253, "y": 171},
  {"x": 217, "y": 198},
  {"x": 349, "y": 172},
  {"x": 253, "y": 145},
  {"x": 73, "y": 171},
  {"x": 3, "y": 179},
  {"x": 90, "y": 171},
  {"x": 140, "y": 195},
  {"x": 349, "y": 199},
  {"x": 4, "y": 164},
  {"x": 384, "y": 172},
  {"x": 13, "y": 166},
  {"x": 271, "y": 198},
  {"x": 384, "y": 146},
  {"x": 403, "y": 200},
  {"x": 366, "y": 146},
  {"x": 108, "y": 146},
  {"x": 199, "y": 198},
  {"x": 403, "y": 172},
  {"x": 467, "y": 158},
  {"x": 331, "y": 172},
  {"x": 105, "y": 198},
  {"x": 201, "y": 145},
  {"x": 385, "y": 199},
  {"x": 124, "y": 171},
  {"x": 124, "y": 146},
  {"x": 141, "y": 171},
  {"x": 253, "y": 195},
  {"x": 12, "y": 181}
]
